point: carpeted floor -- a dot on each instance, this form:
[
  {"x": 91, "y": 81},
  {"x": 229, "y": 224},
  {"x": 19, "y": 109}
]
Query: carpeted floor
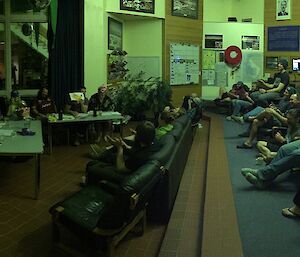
[{"x": 264, "y": 231}]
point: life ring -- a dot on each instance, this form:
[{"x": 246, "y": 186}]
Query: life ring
[{"x": 233, "y": 55}]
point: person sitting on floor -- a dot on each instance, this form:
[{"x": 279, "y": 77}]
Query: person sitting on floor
[
  {"x": 269, "y": 118},
  {"x": 43, "y": 105},
  {"x": 268, "y": 149},
  {"x": 287, "y": 158},
  {"x": 242, "y": 102},
  {"x": 270, "y": 91},
  {"x": 74, "y": 107},
  {"x": 193, "y": 106},
  {"x": 294, "y": 211},
  {"x": 283, "y": 105},
  {"x": 126, "y": 159}
]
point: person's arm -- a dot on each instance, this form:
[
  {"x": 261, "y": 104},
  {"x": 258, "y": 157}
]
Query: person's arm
[
  {"x": 69, "y": 111},
  {"x": 277, "y": 115},
  {"x": 120, "y": 162},
  {"x": 265, "y": 84},
  {"x": 84, "y": 106},
  {"x": 37, "y": 113},
  {"x": 276, "y": 89}
]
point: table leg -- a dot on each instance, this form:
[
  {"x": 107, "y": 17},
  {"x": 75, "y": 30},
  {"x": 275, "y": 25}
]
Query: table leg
[
  {"x": 50, "y": 138},
  {"x": 37, "y": 167}
]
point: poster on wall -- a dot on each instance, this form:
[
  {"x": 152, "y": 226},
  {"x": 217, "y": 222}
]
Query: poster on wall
[
  {"x": 185, "y": 8},
  {"x": 283, "y": 38},
  {"x": 250, "y": 42},
  {"x": 283, "y": 10},
  {"x": 213, "y": 41},
  {"x": 184, "y": 64},
  {"x": 146, "y": 6},
  {"x": 271, "y": 62},
  {"x": 114, "y": 34}
]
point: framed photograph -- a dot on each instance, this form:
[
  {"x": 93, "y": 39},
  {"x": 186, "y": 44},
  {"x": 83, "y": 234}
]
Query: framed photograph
[
  {"x": 271, "y": 62},
  {"x": 213, "y": 41},
  {"x": 146, "y": 6},
  {"x": 185, "y": 8},
  {"x": 115, "y": 33},
  {"x": 250, "y": 42},
  {"x": 283, "y": 9}
]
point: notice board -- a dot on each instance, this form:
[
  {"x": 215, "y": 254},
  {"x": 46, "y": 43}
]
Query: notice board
[
  {"x": 283, "y": 38},
  {"x": 184, "y": 64}
]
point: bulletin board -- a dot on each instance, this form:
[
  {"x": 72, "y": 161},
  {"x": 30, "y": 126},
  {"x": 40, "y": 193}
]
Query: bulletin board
[{"x": 184, "y": 64}]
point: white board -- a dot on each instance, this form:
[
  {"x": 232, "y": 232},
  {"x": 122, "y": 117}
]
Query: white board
[{"x": 184, "y": 64}]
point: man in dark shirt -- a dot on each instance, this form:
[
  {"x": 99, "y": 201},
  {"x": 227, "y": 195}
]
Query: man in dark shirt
[
  {"x": 43, "y": 105},
  {"x": 115, "y": 165},
  {"x": 268, "y": 92}
]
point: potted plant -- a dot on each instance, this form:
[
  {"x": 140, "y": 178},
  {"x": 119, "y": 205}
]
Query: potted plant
[{"x": 136, "y": 96}]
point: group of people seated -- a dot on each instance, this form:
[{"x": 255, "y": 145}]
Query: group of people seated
[{"x": 272, "y": 107}]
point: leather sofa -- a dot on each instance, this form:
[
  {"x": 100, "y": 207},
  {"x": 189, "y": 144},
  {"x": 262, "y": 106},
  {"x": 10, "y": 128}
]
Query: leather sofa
[{"x": 110, "y": 210}]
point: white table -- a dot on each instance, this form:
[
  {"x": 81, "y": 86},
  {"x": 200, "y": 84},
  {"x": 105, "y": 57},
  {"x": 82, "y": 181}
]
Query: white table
[
  {"x": 81, "y": 119},
  {"x": 19, "y": 145}
]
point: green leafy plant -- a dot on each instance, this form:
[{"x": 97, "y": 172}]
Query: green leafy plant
[{"x": 135, "y": 95}]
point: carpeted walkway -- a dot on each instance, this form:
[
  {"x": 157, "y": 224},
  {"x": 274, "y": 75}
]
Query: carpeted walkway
[{"x": 264, "y": 231}]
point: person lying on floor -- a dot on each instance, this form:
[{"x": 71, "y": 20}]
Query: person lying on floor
[
  {"x": 268, "y": 149},
  {"x": 115, "y": 165},
  {"x": 269, "y": 118},
  {"x": 165, "y": 125},
  {"x": 233, "y": 93},
  {"x": 283, "y": 105},
  {"x": 287, "y": 158},
  {"x": 294, "y": 211}
]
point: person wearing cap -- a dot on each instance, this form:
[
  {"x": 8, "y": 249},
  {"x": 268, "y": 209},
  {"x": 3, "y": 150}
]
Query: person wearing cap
[{"x": 267, "y": 91}]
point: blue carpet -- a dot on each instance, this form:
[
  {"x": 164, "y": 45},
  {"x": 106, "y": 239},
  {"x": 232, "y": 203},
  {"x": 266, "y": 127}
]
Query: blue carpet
[{"x": 264, "y": 231}]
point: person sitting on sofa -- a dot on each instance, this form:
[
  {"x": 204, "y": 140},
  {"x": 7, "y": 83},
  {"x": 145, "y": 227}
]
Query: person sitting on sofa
[
  {"x": 268, "y": 149},
  {"x": 165, "y": 125},
  {"x": 114, "y": 165},
  {"x": 269, "y": 118}
]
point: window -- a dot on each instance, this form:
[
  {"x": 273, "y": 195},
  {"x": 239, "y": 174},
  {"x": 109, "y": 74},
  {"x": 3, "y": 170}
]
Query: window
[
  {"x": 23, "y": 45},
  {"x": 29, "y": 55},
  {"x": 2, "y": 61}
]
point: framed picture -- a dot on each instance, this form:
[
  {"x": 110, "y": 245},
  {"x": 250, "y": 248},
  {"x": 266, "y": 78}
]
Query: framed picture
[
  {"x": 213, "y": 41},
  {"x": 115, "y": 33},
  {"x": 271, "y": 62},
  {"x": 283, "y": 9},
  {"x": 250, "y": 42},
  {"x": 146, "y": 6},
  {"x": 185, "y": 8}
]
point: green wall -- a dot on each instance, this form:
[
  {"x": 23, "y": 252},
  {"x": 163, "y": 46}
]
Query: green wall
[
  {"x": 144, "y": 38},
  {"x": 95, "y": 44}
]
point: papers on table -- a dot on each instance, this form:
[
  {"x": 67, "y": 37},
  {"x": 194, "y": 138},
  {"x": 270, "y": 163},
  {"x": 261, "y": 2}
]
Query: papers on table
[
  {"x": 6, "y": 132},
  {"x": 76, "y": 96}
]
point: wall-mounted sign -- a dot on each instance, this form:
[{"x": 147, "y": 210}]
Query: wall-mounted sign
[
  {"x": 146, "y": 6},
  {"x": 283, "y": 38}
]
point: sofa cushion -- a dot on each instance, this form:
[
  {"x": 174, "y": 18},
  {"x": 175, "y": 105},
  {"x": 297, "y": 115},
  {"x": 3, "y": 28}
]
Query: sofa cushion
[
  {"x": 176, "y": 132},
  {"x": 184, "y": 119},
  {"x": 167, "y": 143}
]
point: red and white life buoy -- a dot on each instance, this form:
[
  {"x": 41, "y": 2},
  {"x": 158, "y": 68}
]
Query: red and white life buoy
[{"x": 233, "y": 55}]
